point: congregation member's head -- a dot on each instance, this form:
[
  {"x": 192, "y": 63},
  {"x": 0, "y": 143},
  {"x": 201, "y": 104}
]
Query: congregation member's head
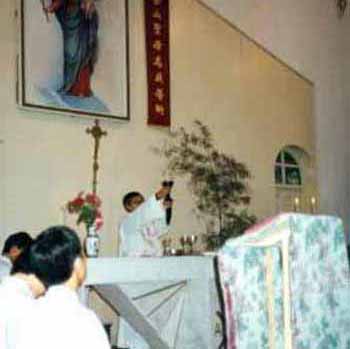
[
  {"x": 15, "y": 244},
  {"x": 57, "y": 257},
  {"x": 132, "y": 200},
  {"x": 22, "y": 269}
]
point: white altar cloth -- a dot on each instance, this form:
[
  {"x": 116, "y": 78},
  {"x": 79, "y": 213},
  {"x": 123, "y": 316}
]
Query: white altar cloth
[{"x": 174, "y": 294}]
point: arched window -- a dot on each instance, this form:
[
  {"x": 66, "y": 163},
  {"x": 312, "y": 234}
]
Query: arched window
[{"x": 287, "y": 170}]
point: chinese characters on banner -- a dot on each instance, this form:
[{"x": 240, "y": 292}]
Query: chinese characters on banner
[{"x": 157, "y": 46}]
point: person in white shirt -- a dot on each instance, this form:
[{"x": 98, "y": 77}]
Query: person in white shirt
[
  {"x": 5, "y": 267},
  {"x": 139, "y": 236},
  {"x": 141, "y": 229},
  {"x": 13, "y": 247},
  {"x": 17, "y": 293},
  {"x": 59, "y": 320}
]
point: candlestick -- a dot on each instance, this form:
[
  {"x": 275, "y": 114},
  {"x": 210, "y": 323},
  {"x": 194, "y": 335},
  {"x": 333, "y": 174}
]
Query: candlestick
[
  {"x": 313, "y": 205},
  {"x": 296, "y": 204},
  {"x": 173, "y": 252}
]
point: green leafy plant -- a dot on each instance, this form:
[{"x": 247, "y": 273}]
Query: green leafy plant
[{"x": 217, "y": 180}]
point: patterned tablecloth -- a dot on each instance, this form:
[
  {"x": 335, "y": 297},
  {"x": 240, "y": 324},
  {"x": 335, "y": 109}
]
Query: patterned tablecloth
[{"x": 286, "y": 285}]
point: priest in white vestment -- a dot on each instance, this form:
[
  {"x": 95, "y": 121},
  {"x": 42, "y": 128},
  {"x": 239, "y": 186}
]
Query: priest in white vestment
[
  {"x": 139, "y": 235},
  {"x": 140, "y": 231},
  {"x": 59, "y": 320}
]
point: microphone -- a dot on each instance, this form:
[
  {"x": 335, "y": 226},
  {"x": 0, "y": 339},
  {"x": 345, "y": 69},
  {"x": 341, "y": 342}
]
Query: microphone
[{"x": 168, "y": 211}]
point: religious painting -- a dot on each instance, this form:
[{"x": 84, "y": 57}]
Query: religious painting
[{"x": 74, "y": 57}]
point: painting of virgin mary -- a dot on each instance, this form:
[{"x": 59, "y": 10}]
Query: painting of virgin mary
[
  {"x": 79, "y": 24},
  {"x": 67, "y": 61}
]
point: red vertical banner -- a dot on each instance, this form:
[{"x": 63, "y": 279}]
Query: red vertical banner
[{"x": 158, "y": 74}]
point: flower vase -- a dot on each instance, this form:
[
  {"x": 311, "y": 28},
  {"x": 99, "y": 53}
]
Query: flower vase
[{"x": 92, "y": 243}]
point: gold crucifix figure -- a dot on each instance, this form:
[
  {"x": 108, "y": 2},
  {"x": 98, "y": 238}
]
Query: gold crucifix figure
[{"x": 97, "y": 134}]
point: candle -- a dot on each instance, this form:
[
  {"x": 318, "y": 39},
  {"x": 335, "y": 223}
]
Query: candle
[
  {"x": 296, "y": 204},
  {"x": 313, "y": 204}
]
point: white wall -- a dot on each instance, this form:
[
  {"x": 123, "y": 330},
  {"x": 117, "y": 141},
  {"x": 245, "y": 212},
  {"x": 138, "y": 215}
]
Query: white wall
[
  {"x": 254, "y": 104},
  {"x": 309, "y": 37},
  {"x": 45, "y": 159}
]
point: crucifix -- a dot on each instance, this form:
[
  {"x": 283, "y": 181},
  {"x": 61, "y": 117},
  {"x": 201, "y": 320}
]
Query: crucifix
[{"x": 97, "y": 133}]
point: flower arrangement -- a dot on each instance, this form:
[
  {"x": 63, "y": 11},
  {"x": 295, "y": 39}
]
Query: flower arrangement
[{"x": 87, "y": 207}]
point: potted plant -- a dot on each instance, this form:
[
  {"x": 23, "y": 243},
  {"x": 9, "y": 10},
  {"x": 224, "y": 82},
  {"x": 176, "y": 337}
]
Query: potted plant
[{"x": 218, "y": 181}]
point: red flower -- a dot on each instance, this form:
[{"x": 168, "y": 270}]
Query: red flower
[
  {"x": 93, "y": 200},
  {"x": 87, "y": 209}
]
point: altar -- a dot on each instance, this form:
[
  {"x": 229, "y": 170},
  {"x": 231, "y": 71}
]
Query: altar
[{"x": 170, "y": 301}]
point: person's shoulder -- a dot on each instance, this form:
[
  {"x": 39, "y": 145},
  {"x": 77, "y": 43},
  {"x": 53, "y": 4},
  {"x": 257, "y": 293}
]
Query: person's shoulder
[
  {"x": 5, "y": 261},
  {"x": 16, "y": 287},
  {"x": 124, "y": 224},
  {"x": 94, "y": 332},
  {"x": 123, "y": 219},
  {"x": 149, "y": 202},
  {"x": 5, "y": 267},
  {"x": 152, "y": 199},
  {"x": 89, "y": 317}
]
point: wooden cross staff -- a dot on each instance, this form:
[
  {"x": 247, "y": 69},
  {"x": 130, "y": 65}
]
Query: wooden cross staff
[{"x": 97, "y": 134}]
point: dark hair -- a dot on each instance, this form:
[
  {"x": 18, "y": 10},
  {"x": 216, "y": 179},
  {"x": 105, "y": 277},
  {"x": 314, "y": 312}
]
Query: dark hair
[
  {"x": 129, "y": 196},
  {"x": 20, "y": 240},
  {"x": 22, "y": 263},
  {"x": 53, "y": 254}
]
